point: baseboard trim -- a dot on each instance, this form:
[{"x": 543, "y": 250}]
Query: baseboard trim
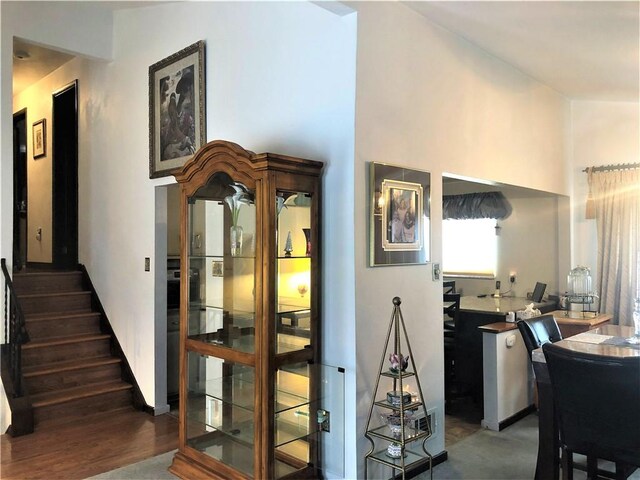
[
  {"x": 514, "y": 418},
  {"x": 159, "y": 410},
  {"x": 148, "y": 409}
]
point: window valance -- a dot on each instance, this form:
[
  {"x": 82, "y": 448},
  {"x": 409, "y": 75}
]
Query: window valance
[{"x": 475, "y": 205}]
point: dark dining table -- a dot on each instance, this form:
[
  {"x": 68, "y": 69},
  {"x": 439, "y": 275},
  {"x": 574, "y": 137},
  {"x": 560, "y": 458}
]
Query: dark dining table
[{"x": 607, "y": 341}]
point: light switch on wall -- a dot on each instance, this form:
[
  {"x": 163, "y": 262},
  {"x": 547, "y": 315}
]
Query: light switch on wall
[
  {"x": 436, "y": 271},
  {"x": 147, "y": 264}
]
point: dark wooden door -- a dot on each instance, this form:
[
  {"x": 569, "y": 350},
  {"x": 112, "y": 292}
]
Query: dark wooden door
[
  {"x": 65, "y": 177},
  {"x": 19, "y": 190}
]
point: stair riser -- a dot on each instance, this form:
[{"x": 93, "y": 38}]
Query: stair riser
[
  {"x": 63, "y": 327},
  {"x": 61, "y": 353},
  {"x": 48, "y": 283},
  {"x": 55, "y": 304},
  {"x": 73, "y": 378},
  {"x": 73, "y": 410}
]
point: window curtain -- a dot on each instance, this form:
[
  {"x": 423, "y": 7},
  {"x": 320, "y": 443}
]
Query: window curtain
[
  {"x": 616, "y": 198},
  {"x": 475, "y": 205}
]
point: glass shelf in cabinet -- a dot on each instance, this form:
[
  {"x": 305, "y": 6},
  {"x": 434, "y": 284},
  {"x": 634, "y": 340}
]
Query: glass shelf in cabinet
[
  {"x": 236, "y": 390},
  {"x": 239, "y": 392},
  {"x": 225, "y": 449},
  {"x": 286, "y": 401},
  {"x": 221, "y": 257},
  {"x": 294, "y": 425},
  {"x": 294, "y": 257},
  {"x": 289, "y": 343},
  {"x": 293, "y": 308},
  {"x": 239, "y": 309},
  {"x": 237, "y": 424},
  {"x": 246, "y": 343},
  {"x": 242, "y": 342}
]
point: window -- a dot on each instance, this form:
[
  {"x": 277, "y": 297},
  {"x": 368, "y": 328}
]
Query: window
[{"x": 469, "y": 247}]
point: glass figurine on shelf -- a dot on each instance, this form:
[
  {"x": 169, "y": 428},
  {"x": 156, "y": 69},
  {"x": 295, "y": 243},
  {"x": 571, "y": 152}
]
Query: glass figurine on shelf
[
  {"x": 288, "y": 247},
  {"x": 394, "y": 422},
  {"x": 398, "y": 362}
]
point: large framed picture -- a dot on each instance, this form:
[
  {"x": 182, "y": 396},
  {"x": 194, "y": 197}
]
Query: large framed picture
[
  {"x": 39, "y": 138},
  {"x": 399, "y": 220},
  {"x": 176, "y": 110}
]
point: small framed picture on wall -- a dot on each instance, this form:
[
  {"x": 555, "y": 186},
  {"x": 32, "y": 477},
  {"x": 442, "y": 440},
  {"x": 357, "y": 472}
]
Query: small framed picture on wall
[{"x": 39, "y": 135}]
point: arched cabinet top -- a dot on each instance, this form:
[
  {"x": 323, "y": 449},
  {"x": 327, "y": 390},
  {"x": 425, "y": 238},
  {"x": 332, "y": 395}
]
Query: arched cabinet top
[{"x": 243, "y": 165}]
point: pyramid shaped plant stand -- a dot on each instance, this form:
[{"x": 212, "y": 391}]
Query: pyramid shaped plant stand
[{"x": 395, "y": 436}]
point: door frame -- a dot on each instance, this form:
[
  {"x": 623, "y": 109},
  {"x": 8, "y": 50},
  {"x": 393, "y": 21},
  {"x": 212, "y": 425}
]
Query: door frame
[{"x": 59, "y": 259}]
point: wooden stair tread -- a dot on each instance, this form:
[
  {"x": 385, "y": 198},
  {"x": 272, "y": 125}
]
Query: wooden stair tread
[
  {"x": 43, "y": 343},
  {"x": 61, "y": 316},
  {"x": 52, "y": 272},
  {"x": 68, "y": 365},
  {"x": 57, "y": 397},
  {"x": 28, "y": 296}
]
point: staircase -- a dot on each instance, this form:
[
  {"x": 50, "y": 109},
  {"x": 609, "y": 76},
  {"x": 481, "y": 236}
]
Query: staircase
[{"x": 69, "y": 366}]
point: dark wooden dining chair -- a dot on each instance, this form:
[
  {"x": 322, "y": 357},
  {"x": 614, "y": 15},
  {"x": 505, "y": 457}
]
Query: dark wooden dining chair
[
  {"x": 448, "y": 286},
  {"x": 537, "y": 331},
  {"x": 451, "y": 308},
  {"x": 597, "y": 403}
]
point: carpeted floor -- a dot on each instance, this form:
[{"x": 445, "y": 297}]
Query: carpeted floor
[{"x": 509, "y": 454}]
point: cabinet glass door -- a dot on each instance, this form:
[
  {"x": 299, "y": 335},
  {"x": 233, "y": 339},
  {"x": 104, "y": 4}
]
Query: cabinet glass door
[
  {"x": 222, "y": 226},
  {"x": 220, "y": 406},
  {"x": 293, "y": 315}
]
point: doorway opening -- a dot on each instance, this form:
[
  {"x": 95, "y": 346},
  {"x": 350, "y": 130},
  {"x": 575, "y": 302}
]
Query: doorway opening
[
  {"x": 173, "y": 295},
  {"x": 65, "y": 176},
  {"x": 20, "y": 190}
]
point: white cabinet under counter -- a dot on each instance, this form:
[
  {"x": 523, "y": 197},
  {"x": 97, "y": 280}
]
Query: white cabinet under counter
[{"x": 507, "y": 376}]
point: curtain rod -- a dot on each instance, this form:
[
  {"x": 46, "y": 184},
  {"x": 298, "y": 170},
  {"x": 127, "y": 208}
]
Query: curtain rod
[{"x": 608, "y": 168}]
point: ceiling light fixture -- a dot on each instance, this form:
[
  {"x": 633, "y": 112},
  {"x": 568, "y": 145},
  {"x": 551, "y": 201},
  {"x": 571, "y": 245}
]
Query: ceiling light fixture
[{"x": 21, "y": 55}]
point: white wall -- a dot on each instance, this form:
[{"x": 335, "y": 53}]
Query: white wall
[
  {"x": 79, "y": 28},
  {"x": 429, "y": 100},
  {"x": 37, "y": 99},
  {"x": 603, "y": 133},
  {"x": 280, "y": 77},
  {"x": 70, "y": 27}
]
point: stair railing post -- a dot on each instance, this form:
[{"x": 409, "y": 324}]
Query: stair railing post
[{"x": 6, "y": 331}]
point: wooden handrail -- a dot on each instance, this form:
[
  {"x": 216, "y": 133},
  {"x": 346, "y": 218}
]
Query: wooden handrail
[{"x": 15, "y": 332}]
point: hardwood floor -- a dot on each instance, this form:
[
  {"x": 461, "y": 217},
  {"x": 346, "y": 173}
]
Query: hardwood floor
[{"x": 88, "y": 447}]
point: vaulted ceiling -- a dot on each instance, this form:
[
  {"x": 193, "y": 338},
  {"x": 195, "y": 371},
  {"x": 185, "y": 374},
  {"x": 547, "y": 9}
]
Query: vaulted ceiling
[{"x": 582, "y": 49}]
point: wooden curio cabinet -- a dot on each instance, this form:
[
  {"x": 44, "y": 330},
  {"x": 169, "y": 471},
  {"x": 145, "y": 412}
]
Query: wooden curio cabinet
[{"x": 249, "y": 315}]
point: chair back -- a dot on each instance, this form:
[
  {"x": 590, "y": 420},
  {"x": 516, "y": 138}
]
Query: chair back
[
  {"x": 597, "y": 400},
  {"x": 537, "y": 331},
  {"x": 449, "y": 286},
  {"x": 451, "y": 305}
]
